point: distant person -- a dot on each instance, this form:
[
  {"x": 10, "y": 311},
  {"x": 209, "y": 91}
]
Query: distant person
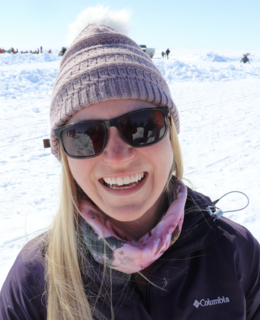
[
  {"x": 50, "y": 51},
  {"x": 163, "y": 53},
  {"x": 245, "y": 58},
  {"x": 167, "y": 53},
  {"x": 1, "y": 50},
  {"x": 63, "y": 50},
  {"x": 41, "y": 49}
]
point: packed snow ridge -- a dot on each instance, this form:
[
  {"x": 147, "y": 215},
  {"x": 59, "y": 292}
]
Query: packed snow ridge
[
  {"x": 37, "y": 73},
  {"x": 175, "y": 70},
  {"x": 19, "y": 58}
]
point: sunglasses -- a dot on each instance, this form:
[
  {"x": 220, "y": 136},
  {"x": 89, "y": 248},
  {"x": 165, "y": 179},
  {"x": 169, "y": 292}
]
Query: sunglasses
[{"x": 87, "y": 139}]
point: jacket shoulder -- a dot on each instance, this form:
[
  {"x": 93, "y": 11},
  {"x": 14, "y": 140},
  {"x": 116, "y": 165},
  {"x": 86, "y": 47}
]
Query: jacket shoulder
[
  {"x": 246, "y": 257},
  {"x": 241, "y": 237},
  {"x": 22, "y": 294},
  {"x": 245, "y": 246}
]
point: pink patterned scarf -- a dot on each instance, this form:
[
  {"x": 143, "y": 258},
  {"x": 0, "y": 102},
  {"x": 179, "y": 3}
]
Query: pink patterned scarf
[{"x": 109, "y": 244}]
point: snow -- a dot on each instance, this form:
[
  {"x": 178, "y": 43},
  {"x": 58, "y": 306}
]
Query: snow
[
  {"x": 22, "y": 58},
  {"x": 219, "y": 104},
  {"x": 183, "y": 72}
]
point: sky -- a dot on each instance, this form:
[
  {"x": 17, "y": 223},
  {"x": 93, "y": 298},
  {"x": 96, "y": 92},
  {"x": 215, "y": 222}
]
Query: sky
[{"x": 200, "y": 24}]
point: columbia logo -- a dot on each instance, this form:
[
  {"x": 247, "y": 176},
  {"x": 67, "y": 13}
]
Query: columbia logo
[
  {"x": 205, "y": 303},
  {"x": 196, "y": 303}
]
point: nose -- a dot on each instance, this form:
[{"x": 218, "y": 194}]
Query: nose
[{"x": 117, "y": 151}]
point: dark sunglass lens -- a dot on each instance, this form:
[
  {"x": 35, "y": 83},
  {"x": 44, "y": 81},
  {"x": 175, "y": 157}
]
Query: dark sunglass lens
[
  {"x": 84, "y": 139},
  {"x": 143, "y": 127}
]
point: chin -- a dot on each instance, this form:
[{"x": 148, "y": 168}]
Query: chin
[{"x": 124, "y": 214}]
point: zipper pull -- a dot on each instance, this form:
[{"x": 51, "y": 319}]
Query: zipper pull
[{"x": 216, "y": 212}]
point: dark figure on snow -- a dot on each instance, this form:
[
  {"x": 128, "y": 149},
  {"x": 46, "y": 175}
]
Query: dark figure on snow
[
  {"x": 41, "y": 49},
  {"x": 245, "y": 58},
  {"x": 163, "y": 53},
  {"x": 167, "y": 53},
  {"x": 12, "y": 50},
  {"x": 35, "y": 52},
  {"x": 63, "y": 50}
]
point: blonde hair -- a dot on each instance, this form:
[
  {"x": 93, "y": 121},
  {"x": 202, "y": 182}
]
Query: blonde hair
[{"x": 65, "y": 253}]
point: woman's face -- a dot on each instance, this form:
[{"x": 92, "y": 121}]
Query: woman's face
[{"x": 120, "y": 161}]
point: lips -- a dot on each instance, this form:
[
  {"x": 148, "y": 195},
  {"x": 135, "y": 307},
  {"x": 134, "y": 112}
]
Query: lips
[{"x": 126, "y": 182}]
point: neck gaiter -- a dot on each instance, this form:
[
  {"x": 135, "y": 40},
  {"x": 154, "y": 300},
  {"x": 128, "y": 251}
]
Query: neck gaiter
[{"x": 108, "y": 244}]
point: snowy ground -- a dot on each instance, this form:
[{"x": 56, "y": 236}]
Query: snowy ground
[{"x": 219, "y": 103}]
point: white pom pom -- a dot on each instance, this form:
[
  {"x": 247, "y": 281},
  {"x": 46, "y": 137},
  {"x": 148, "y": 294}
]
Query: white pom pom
[{"x": 119, "y": 20}]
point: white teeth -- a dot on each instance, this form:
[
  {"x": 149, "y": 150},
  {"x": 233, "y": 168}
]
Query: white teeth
[
  {"x": 125, "y": 180},
  {"x": 119, "y": 181},
  {"x": 113, "y": 180}
]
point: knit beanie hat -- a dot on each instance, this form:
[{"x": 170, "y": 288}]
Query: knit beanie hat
[{"x": 102, "y": 64}]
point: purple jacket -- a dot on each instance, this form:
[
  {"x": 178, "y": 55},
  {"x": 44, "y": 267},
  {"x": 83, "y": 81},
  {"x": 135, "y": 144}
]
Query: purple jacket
[{"x": 211, "y": 272}]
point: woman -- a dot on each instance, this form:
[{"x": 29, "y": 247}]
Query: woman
[{"x": 129, "y": 240}]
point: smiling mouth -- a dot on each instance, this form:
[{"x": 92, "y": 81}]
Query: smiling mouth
[{"x": 126, "y": 182}]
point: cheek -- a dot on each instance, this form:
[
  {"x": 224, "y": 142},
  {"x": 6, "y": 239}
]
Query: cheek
[
  {"x": 160, "y": 155},
  {"x": 81, "y": 170}
]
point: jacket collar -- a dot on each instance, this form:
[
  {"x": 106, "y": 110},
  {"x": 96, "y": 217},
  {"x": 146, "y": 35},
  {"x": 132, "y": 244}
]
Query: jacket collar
[{"x": 199, "y": 230}]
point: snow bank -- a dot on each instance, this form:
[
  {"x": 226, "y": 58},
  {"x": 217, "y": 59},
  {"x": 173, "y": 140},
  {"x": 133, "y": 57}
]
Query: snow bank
[
  {"x": 213, "y": 57},
  {"x": 29, "y": 78},
  {"x": 218, "y": 57},
  {"x": 175, "y": 70},
  {"x": 18, "y": 83},
  {"x": 22, "y": 58}
]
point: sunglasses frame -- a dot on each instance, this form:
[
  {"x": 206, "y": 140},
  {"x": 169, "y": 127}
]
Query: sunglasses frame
[{"x": 114, "y": 123}]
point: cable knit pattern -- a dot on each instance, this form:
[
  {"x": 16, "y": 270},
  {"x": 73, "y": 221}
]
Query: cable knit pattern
[{"x": 101, "y": 64}]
